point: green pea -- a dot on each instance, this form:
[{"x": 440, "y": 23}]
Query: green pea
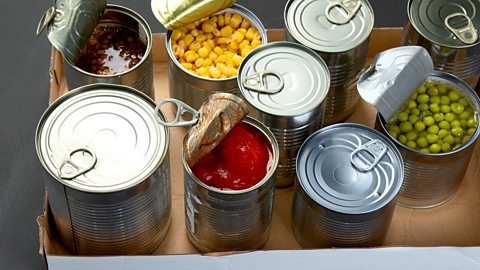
[
  {"x": 433, "y": 130},
  {"x": 442, "y": 89},
  {"x": 450, "y": 117},
  {"x": 403, "y": 139},
  {"x": 411, "y": 136},
  {"x": 414, "y": 96},
  {"x": 457, "y": 131},
  {"x": 429, "y": 84},
  {"x": 455, "y": 123},
  {"x": 463, "y": 123},
  {"x": 435, "y": 100},
  {"x": 392, "y": 127},
  {"x": 457, "y": 108},
  {"x": 444, "y": 100},
  {"x": 442, "y": 133},
  {"x": 453, "y": 95},
  {"x": 465, "y": 139},
  {"x": 434, "y": 108},
  {"x": 438, "y": 117},
  {"x": 432, "y": 91},
  {"x": 464, "y": 115},
  {"x": 444, "y": 125},
  {"x": 471, "y": 123},
  {"x": 419, "y": 126},
  {"x": 431, "y": 138},
  {"x": 449, "y": 139},
  {"x": 457, "y": 146},
  {"x": 423, "y": 98},
  {"x": 464, "y": 102},
  {"x": 423, "y": 107},
  {"x": 435, "y": 148},
  {"x": 421, "y": 142},
  {"x": 411, "y": 144},
  {"x": 415, "y": 111},
  {"x": 458, "y": 140},
  {"x": 403, "y": 116},
  {"x": 446, "y": 147},
  {"x": 428, "y": 120},
  {"x": 413, "y": 118},
  {"x": 411, "y": 104},
  {"x": 425, "y": 150},
  {"x": 422, "y": 89},
  {"x": 470, "y": 131},
  {"x": 445, "y": 109},
  {"x": 405, "y": 127}
]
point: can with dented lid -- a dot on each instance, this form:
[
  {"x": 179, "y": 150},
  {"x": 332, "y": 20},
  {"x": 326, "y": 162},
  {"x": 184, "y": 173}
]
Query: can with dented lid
[
  {"x": 448, "y": 30},
  {"x": 109, "y": 184},
  {"x": 339, "y": 31},
  {"x": 348, "y": 178},
  {"x": 286, "y": 84}
]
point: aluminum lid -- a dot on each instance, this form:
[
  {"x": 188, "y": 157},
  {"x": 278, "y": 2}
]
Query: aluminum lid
[
  {"x": 284, "y": 79},
  {"x": 350, "y": 169},
  {"x": 329, "y": 25},
  {"x": 450, "y": 23},
  {"x": 101, "y": 138}
]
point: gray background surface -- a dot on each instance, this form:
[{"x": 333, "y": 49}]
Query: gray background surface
[{"x": 24, "y": 91}]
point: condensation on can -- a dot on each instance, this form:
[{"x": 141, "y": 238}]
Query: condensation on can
[
  {"x": 228, "y": 220},
  {"x": 193, "y": 89},
  {"x": 109, "y": 184},
  {"x": 342, "y": 45},
  {"x": 348, "y": 178}
]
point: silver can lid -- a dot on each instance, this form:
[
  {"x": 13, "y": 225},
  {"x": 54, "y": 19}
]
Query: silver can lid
[
  {"x": 101, "y": 138},
  {"x": 70, "y": 24},
  {"x": 350, "y": 169},
  {"x": 329, "y": 25},
  {"x": 449, "y": 23},
  {"x": 284, "y": 79}
]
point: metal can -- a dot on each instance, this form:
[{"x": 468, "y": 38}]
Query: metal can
[
  {"x": 109, "y": 183},
  {"x": 348, "y": 178},
  {"x": 448, "y": 30},
  {"x": 286, "y": 84},
  {"x": 339, "y": 31},
  {"x": 70, "y": 25},
  {"x": 226, "y": 220},
  {"x": 193, "y": 89}
]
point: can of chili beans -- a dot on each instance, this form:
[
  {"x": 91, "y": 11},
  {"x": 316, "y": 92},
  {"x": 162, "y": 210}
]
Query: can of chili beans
[
  {"x": 339, "y": 31},
  {"x": 109, "y": 174},
  {"x": 101, "y": 44}
]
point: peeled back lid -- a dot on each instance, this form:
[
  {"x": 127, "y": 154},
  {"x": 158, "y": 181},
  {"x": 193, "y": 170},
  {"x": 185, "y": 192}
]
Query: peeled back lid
[
  {"x": 350, "y": 169},
  {"x": 284, "y": 78},
  {"x": 450, "y": 23},
  {"x": 101, "y": 138}
]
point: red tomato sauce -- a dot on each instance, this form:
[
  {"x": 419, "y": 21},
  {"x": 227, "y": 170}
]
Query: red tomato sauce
[{"x": 239, "y": 162}]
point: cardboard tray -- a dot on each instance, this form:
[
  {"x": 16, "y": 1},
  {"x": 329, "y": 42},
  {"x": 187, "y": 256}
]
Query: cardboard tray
[{"x": 456, "y": 223}]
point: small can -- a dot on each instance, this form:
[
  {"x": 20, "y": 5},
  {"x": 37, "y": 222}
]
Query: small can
[
  {"x": 339, "y": 31},
  {"x": 286, "y": 84},
  {"x": 348, "y": 178},
  {"x": 192, "y": 88},
  {"x": 70, "y": 25},
  {"x": 447, "y": 29},
  {"x": 109, "y": 173}
]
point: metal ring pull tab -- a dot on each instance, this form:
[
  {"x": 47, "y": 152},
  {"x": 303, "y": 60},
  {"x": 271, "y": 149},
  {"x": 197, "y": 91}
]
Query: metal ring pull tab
[
  {"x": 45, "y": 20},
  {"x": 350, "y": 6},
  {"x": 69, "y": 169},
  {"x": 255, "y": 82},
  {"x": 179, "y": 120},
  {"x": 375, "y": 148},
  {"x": 467, "y": 34}
]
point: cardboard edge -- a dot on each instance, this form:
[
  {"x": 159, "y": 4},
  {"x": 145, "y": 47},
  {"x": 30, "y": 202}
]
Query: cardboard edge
[{"x": 42, "y": 222}]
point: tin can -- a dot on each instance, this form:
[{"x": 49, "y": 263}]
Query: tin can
[
  {"x": 228, "y": 220},
  {"x": 191, "y": 88},
  {"x": 448, "y": 30},
  {"x": 70, "y": 25},
  {"x": 348, "y": 178},
  {"x": 339, "y": 31},
  {"x": 109, "y": 183},
  {"x": 286, "y": 84}
]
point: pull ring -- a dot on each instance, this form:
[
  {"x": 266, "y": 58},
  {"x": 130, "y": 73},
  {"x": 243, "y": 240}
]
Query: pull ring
[
  {"x": 69, "y": 169},
  {"x": 375, "y": 148},
  {"x": 467, "y": 34},
  {"x": 45, "y": 20},
  {"x": 182, "y": 108},
  {"x": 255, "y": 82},
  {"x": 350, "y": 6}
]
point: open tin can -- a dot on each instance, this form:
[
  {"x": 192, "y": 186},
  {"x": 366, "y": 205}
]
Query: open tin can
[
  {"x": 339, "y": 31},
  {"x": 109, "y": 174},
  {"x": 70, "y": 24}
]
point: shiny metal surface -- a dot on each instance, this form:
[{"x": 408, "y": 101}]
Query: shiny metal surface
[
  {"x": 193, "y": 89},
  {"x": 140, "y": 76},
  {"x": 122, "y": 204},
  {"x": 234, "y": 220}
]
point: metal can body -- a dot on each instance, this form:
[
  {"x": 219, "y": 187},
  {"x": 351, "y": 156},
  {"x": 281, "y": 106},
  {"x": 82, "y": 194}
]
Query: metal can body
[
  {"x": 432, "y": 179},
  {"x": 191, "y": 88},
  {"x": 106, "y": 207},
  {"x": 337, "y": 201},
  {"x": 140, "y": 76},
  {"x": 218, "y": 220}
]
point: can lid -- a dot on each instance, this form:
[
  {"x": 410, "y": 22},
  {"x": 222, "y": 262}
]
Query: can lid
[
  {"x": 70, "y": 24},
  {"x": 284, "y": 78},
  {"x": 101, "y": 138},
  {"x": 177, "y": 13},
  {"x": 449, "y": 23},
  {"x": 350, "y": 168},
  {"x": 393, "y": 77},
  {"x": 329, "y": 25}
]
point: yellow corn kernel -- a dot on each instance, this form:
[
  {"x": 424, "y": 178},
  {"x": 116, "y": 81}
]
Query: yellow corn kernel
[
  {"x": 182, "y": 29},
  {"x": 237, "y": 60},
  {"x": 208, "y": 45},
  {"x": 255, "y": 43},
  {"x": 239, "y": 37},
  {"x": 212, "y": 55},
  {"x": 250, "y": 32},
  {"x": 242, "y": 30},
  {"x": 230, "y": 58},
  {"x": 233, "y": 71},
  {"x": 216, "y": 33},
  {"x": 209, "y": 36},
  {"x": 214, "y": 72},
  {"x": 243, "y": 44},
  {"x": 245, "y": 51},
  {"x": 199, "y": 62},
  {"x": 236, "y": 20},
  {"x": 221, "y": 20},
  {"x": 214, "y": 19},
  {"x": 222, "y": 40},
  {"x": 195, "y": 46},
  {"x": 177, "y": 51},
  {"x": 190, "y": 26},
  {"x": 223, "y": 77},
  {"x": 182, "y": 44},
  {"x": 202, "y": 71},
  {"x": 226, "y": 31},
  {"x": 218, "y": 50},
  {"x": 188, "y": 66},
  {"x": 188, "y": 39},
  {"x": 257, "y": 35},
  {"x": 233, "y": 46},
  {"x": 195, "y": 32},
  {"x": 221, "y": 59},
  {"x": 207, "y": 27},
  {"x": 207, "y": 62},
  {"x": 223, "y": 69},
  {"x": 228, "y": 17},
  {"x": 203, "y": 52},
  {"x": 190, "y": 56},
  {"x": 245, "y": 24},
  {"x": 177, "y": 34},
  {"x": 201, "y": 38},
  {"x": 181, "y": 60}
]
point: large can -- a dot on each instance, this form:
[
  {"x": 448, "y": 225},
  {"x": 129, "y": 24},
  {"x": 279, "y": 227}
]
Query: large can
[
  {"x": 286, "y": 84},
  {"x": 70, "y": 25},
  {"x": 348, "y": 177},
  {"x": 448, "y": 30},
  {"x": 109, "y": 183},
  {"x": 192, "y": 88},
  {"x": 339, "y": 31}
]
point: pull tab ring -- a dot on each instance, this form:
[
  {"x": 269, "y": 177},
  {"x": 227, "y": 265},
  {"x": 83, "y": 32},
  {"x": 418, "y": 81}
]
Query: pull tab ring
[
  {"x": 45, "y": 20},
  {"x": 467, "y": 34},
  {"x": 179, "y": 121},
  {"x": 376, "y": 148},
  {"x": 350, "y": 6},
  {"x": 69, "y": 170},
  {"x": 255, "y": 82}
]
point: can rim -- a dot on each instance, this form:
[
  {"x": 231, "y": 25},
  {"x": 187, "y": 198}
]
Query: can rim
[{"x": 271, "y": 173}]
